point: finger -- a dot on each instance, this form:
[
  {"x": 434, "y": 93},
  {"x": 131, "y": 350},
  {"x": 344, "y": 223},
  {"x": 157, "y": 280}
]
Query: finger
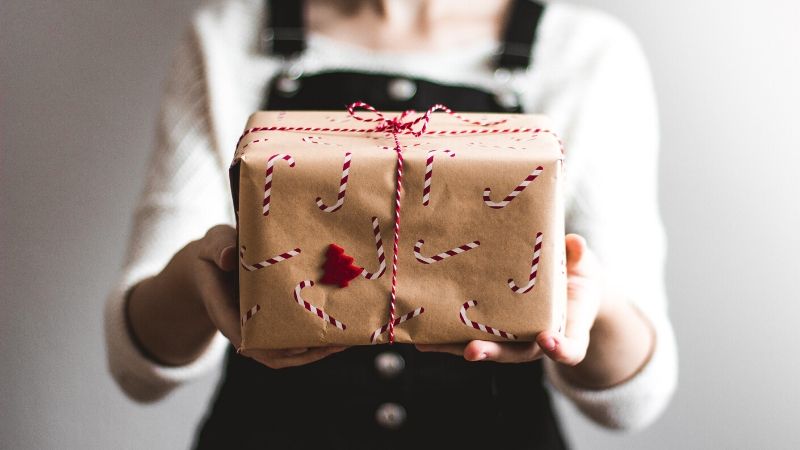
[
  {"x": 453, "y": 349},
  {"x": 228, "y": 258},
  {"x": 562, "y": 349},
  {"x": 507, "y": 352},
  {"x": 216, "y": 294},
  {"x": 295, "y": 351},
  {"x": 219, "y": 247},
  {"x": 576, "y": 249},
  {"x": 570, "y": 347},
  {"x": 278, "y": 359}
]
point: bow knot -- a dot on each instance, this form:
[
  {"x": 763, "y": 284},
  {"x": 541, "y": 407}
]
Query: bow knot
[
  {"x": 394, "y": 125},
  {"x": 399, "y": 124}
]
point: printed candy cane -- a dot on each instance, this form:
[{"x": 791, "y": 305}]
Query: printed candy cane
[
  {"x": 381, "y": 257},
  {"x": 250, "y": 313},
  {"x": 444, "y": 255},
  {"x": 342, "y": 188},
  {"x": 487, "y": 193},
  {"x": 266, "y": 262},
  {"x": 426, "y": 188},
  {"x": 537, "y": 249},
  {"x": 397, "y": 322},
  {"x": 240, "y": 151},
  {"x": 479, "y": 326},
  {"x": 268, "y": 177},
  {"x": 313, "y": 309}
]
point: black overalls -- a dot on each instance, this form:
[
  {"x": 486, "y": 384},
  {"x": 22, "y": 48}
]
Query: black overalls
[{"x": 384, "y": 396}]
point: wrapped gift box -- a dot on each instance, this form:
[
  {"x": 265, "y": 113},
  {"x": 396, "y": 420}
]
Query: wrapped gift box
[{"x": 481, "y": 241}]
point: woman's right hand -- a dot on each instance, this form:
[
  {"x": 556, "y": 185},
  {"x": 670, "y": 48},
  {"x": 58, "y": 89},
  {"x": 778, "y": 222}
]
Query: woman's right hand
[{"x": 213, "y": 274}]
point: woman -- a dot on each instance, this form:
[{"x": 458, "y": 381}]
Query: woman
[{"x": 173, "y": 315}]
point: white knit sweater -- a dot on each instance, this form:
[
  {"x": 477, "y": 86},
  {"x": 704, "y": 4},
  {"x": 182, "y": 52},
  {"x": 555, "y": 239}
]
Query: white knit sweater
[{"x": 589, "y": 75}]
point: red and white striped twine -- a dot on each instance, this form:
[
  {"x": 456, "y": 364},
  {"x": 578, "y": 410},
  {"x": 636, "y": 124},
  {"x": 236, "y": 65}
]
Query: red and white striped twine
[
  {"x": 487, "y": 193},
  {"x": 313, "y": 309},
  {"x": 444, "y": 255},
  {"x": 479, "y": 326},
  {"x": 397, "y": 321},
  {"x": 268, "y": 177},
  {"x": 426, "y": 188},
  {"x": 537, "y": 249},
  {"x": 470, "y": 131},
  {"x": 376, "y": 229},
  {"x": 342, "y": 188},
  {"x": 396, "y": 125},
  {"x": 250, "y": 313},
  {"x": 396, "y": 244},
  {"x": 267, "y": 262}
]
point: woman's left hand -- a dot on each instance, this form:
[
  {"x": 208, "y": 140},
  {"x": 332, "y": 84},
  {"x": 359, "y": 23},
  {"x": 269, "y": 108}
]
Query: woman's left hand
[{"x": 584, "y": 294}]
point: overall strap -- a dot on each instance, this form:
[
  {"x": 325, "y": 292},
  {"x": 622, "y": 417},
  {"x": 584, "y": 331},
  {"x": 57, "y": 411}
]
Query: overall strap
[
  {"x": 520, "y": 34},
  {"x": 284, "y": 33}
]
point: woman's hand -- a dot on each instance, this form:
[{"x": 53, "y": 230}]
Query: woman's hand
[
  {"x": 175, "y": 314},
  {"x": 213, "y": 276},
  {"x": 606, "y": 339},
  {"x": 583, "y": 302}
]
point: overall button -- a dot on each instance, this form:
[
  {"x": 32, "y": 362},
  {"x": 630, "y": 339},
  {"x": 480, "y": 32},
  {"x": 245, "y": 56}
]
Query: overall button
[
  {"x": 401, "y": 89},
  {"x": 507, "y": 100},
  {"x": 389, "y": 364},
  {"x": 502, "y": 75},
  {"x": 390, "y": 415},
  {"x": 287, "y": 86},
  {"x": 289, "y": 81}
]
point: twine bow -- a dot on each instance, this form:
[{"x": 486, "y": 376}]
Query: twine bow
[{"x": 399, "y": 124}]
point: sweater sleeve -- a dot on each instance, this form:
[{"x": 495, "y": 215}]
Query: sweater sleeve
[
  {"x": 186, "y": 192},
  {"x": 612, "y": 157}
]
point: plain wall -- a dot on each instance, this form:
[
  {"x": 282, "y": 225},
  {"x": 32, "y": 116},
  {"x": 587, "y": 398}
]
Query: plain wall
[{"x": 81, "y": 81}]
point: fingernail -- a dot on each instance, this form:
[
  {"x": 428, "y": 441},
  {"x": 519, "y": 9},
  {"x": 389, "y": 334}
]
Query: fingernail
[
  {"x": 296, "y": 351},
  {"x": 550, "y": 344},
  {"x": 222, "y": 254},
  {"x": 481, "y": 357}
]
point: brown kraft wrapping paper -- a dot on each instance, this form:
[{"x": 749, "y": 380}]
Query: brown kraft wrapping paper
[{"x": 456, "y": 214}]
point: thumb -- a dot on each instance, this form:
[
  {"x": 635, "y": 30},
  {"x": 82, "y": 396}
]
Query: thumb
[
  {"x": 218, "y": 246},
  {"x": 576, "y": 250}
]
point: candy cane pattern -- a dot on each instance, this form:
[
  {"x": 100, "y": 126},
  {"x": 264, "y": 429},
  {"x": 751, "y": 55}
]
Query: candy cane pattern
[
  {"x": 342, "y": 188},
  {"x": 240, "y": 151},
  {"x": 266, "y": 262},
  {"x": 381, "y": 257},
  {"x": 487, "y": 193},
  {"x": 397, "y": 321},
  {"x": 537, "y": 249},
  {"x": 426, "y": 188},
  {"x": 479, "y": 326},
  {"x": 268, "y": 177},
  {"x": 444, "y": 255},
  {"x": 250, "y": 313},
  {"x": 313, "y": 309}
]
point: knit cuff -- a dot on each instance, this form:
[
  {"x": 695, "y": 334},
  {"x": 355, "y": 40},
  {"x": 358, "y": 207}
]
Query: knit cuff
[
  {"x": 141, "y": 378},
  {"x": 637, "y": 402}
]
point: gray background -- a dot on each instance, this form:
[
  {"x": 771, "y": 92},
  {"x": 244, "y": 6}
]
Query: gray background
[{"x": 81, "y": 81}]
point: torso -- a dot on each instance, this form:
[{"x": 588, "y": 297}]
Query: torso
[{"x": 382, "y": 396}]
